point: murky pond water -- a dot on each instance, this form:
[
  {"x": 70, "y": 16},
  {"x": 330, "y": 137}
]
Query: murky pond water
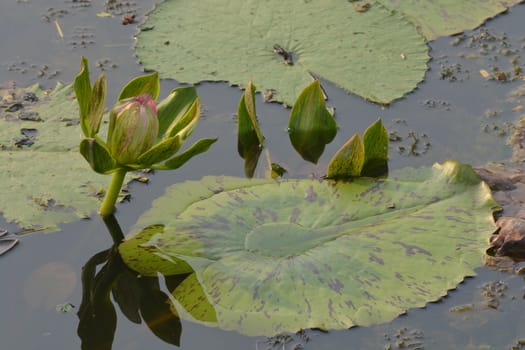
[{"x": 461, "y": 116}]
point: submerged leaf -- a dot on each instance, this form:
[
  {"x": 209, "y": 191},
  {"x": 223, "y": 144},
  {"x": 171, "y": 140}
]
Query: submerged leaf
[
  {"x": 273, "y": 257},
  {"x": 7, "y": 244},
  {"x": 311, "y": 125},
  {"x": 284, "y": 44}
]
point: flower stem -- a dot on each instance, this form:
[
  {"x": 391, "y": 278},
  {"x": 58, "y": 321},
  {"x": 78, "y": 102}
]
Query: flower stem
[{"x": 108, "y": 204}]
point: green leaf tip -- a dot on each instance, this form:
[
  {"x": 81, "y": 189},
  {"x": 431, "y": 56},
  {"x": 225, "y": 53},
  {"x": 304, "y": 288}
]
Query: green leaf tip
[{"x": 144, "y": 84}]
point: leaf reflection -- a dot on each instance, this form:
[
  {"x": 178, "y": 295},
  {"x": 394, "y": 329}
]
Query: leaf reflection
[{"x": 139, "y": 298}]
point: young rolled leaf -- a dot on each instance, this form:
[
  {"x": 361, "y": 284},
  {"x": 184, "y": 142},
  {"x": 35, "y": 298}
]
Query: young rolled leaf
[
  {"x": 82, "y": 87},
  {"x": 144, "y": 84},
  {"x": 348, "y": 160},
  {"x": 311, "y": 125},
  {"x": 98, "y": 156},
  {"x": 176, "y": 162},
  {"x": 375, "y": 140},
  {"x": 250, "y": 138},
  {"x": 176, "y": 105}
]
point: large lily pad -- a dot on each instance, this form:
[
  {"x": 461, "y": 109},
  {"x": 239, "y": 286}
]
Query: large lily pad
[
  {"x": 281, "y": 256},
  {"x": 437, "y": 18},
  {"x": 280, "y": 45},
  {"x": 45, "y": 180}
]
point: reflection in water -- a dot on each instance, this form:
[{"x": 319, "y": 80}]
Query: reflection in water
[{"x": 139, "y": 298}]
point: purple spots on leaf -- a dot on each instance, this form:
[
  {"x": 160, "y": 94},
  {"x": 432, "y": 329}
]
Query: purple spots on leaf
[{"x": 412, "y": 249}]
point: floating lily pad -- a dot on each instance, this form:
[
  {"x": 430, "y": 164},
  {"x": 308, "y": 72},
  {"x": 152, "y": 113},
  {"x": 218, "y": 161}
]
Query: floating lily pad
[
  {"x": 437, "y": 18},
  {"x": 45, "y": 180},
  {"x": 281, "y": 45},
  {"x": 274, "y": 256}
]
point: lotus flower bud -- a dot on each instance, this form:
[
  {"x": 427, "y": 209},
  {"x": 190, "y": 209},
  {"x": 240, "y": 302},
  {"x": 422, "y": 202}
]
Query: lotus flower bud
[{"x": 133, "y": 128}]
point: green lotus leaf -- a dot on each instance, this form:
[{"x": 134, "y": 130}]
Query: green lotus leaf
[
  {"x": 281, "y": 45},
  {"x": 437, "y": 18},
  {"x": 274, "y": 256},
  {"x": 45, "y": 180}
]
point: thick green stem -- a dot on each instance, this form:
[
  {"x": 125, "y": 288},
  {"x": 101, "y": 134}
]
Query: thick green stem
[{"x": 108, "y": 204}]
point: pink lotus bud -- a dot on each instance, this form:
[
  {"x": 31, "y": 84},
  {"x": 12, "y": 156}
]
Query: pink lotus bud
[{"x": 133, "y": 128}]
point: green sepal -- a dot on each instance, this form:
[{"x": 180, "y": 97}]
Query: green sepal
[
  {"x": 173, "y": 110},
  {"x": 82, "y": 87},
  {"x": 249, "y": 136},
  {"x": 176, "y": 162},
  {"x": 348, "y": 160},
  {"x": 144, "y": 84},
  {"x": 160, "y": 152},
  {"x": 311, "y": 125},
  {"x": 98, "y": 156},
  {"x": 375, "y": 140}
]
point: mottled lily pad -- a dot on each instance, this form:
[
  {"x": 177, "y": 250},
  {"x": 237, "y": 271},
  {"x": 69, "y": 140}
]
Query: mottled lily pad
[
  {"x": 274, "y": 256},
  {"x": 282, "y": 45},
  {"x": 45, "y": 180}
]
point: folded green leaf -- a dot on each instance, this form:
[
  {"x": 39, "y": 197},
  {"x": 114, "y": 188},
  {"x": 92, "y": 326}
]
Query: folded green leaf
[
  {"x": 375, "y": 140},
  {"x": 97, "y": 155},
  {"x": 174, "y": 107},
  {"x": 144, "y": 84},
  {"x": 250, "y": 138},
  {"x": 348, "y": 160},
  {"x": 311, "y": 125},
  {"x": 176, "y": 162},
  {"x": 160, "y": 152}
]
